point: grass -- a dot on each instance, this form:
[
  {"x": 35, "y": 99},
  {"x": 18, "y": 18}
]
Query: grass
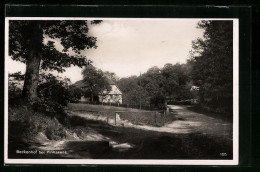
[
  {"x": 101, "y": 108},
  {"x": 135, "y": 116}
]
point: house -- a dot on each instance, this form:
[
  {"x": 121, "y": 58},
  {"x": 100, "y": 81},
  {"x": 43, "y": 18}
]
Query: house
[{"x": 112, "y": 96}]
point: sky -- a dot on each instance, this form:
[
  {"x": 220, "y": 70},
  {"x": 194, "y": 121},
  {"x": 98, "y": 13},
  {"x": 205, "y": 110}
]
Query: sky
[{"x": 131, "y": 46}]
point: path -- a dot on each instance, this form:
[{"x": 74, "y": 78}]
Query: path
[{"x": 199, "y": 123}]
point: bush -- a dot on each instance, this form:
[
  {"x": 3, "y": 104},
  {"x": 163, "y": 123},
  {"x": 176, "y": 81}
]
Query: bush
[
  {"x": 50, "y": 107},
  {"x": 45, "y": 114},
  {"x": 158, "y": 101},
  {"x": 25, "y": 123},
  {"x": 75, "y": 94},
  {"x": 54, "y": 90},
  {"x": 53, "y": 95},
  {"x": 53, "y": 133},
  {"x": 14, "y": 95},
  {"x": 15, "y": 89}
]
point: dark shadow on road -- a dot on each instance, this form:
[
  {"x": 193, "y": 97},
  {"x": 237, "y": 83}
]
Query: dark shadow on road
[{"x": 224, "y": 117}]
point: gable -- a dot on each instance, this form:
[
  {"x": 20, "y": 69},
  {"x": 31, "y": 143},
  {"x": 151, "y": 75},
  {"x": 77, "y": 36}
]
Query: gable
[{"x": 114, "y": 90}]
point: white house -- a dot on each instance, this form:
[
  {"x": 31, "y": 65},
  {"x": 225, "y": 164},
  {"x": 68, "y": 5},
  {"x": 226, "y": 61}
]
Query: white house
[{"x": 112, "y": 96}]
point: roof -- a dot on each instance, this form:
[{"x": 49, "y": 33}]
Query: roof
[
  {"x": 79, "y": 84},
  {"x": 110, "y": 82}
]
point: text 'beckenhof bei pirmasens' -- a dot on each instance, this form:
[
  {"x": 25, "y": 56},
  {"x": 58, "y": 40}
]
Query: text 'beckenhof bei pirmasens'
[{"x": 31, "y": 152}]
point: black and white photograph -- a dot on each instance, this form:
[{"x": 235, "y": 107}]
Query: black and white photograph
[{"x": 152, "y": 91}]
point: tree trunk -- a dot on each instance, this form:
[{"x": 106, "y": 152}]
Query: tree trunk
[
  {"x": 31, "y": 79},
  {"x": 33, "y": 63}
]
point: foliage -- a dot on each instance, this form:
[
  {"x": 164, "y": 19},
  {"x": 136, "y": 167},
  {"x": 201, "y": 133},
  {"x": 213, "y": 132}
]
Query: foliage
[
  {"x": 26, "y": 123},
  {"x": 95, "y": 82},
  {"x": 154, "y": 87},
  {"x": 52, "y": 133},
  {"x": 71, "y": 33},
  {"x": 53, "y": 94},
  {"x": 111, "y": 75},
  {"x": 18, "y": 76},
  {"x": 75, "y": 93},
  {"x": 153, "y": 81},
  {"x": 133, "y": 93},
  {"x": 15, "y": 82},
  {"x": 177, "y": 80},
  {"x": 33, "y": 42},
  {"x": 212, "y": 59},
  {"x": 158, "y": 101}
]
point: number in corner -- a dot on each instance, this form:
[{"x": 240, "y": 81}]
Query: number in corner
[{"x": 223, "y": 154}]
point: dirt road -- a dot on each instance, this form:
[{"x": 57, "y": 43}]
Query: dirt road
[{"x": 194, "y": 122}]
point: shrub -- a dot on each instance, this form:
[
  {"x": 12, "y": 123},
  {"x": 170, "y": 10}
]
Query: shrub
[
  {"x": 75, "y": 93},
  {"x": 53, "y": 95},
  {"x": 25, "y": 123},
  {"x": 50, "y": 108},
  {"x": 53, "y": 133},
  {"x": 21, "y": 122},
  {"x": 54, "y": 89},
  {"x": 158, "y": 100},
  {"x": 15, "y": 88}
]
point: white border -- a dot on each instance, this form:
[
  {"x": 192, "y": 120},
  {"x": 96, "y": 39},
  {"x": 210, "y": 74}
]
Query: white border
[{"x": 131, "y": 161}]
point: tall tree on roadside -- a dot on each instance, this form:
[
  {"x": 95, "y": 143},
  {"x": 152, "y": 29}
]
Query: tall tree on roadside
[
  {"x": 212, "y": 59},
  {"x": 95, "y": 82},
  {"x": 154, "y": 83},
  {"x": 133, "y": 92},
  {"x": 27, "y": 45},
  {"x": 176, "y": 80}
]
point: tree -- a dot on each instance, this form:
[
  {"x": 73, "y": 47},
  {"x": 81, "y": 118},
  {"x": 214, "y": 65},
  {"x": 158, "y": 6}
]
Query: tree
[
  {"x": 75, "y": 93},
  {"x": 176, "y": 81},
  {"x": 26, "y": 44},
  {"x": 53, "y": 94},
  {"x": 15, "y": 81},
  {"x": 111, "y": 75},
  {"x": 212, "y": 69},
  {"x": 95, "y": 82},
  {"x": 133, "y": 93},
  {"x": 126, "y": 84},
  {"x": 154, "y": 83}
]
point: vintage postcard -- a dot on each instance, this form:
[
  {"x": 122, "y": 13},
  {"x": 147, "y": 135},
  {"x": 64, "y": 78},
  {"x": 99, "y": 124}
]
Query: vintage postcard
[{"x": 141, "y": 91}]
